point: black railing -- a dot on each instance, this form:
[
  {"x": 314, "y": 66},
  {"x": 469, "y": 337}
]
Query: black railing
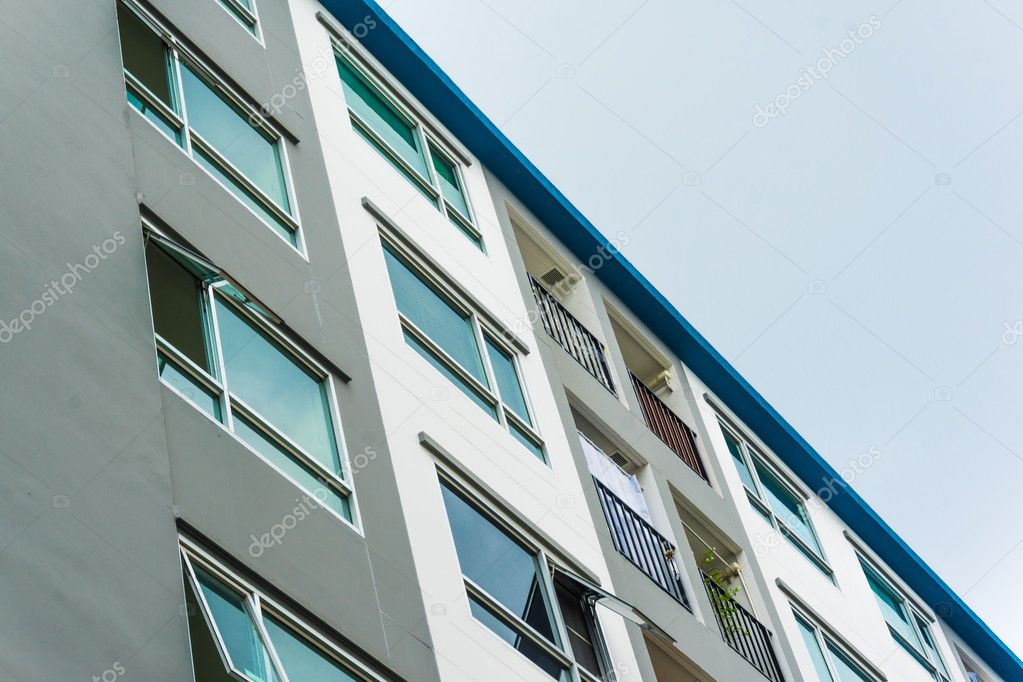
[
  {"x": 669, "y": 427},
  {"x": 637, "y": 541},
  {"x": 742, "y": 631},
  {"x": 571, "y": 335}
]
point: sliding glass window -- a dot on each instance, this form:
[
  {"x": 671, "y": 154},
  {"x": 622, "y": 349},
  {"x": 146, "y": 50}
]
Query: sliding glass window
[
  {"x": 221, "y": 354},
  {"x": 512, "y": 591},
  {"x": 394, "y": 132},
  {"x": 450, "y": 337},
  {"x": 830, "y": 662},
  {"x": 238, "y": 633},
  {"x": 775, "y": 500},
  {"x": 188, "y": 104},
  {"x": 907, "y": 625}
]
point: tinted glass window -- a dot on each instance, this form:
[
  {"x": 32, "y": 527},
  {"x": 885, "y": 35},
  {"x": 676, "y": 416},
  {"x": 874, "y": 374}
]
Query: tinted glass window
[
  {"x": 449, "y": 185},
  {"x": 276, "y": 386},
  {"x": 370, "y": 106},
  {"x": 787, "y": 507},
  {"x": 446, "y": 326},
  {"x": 227, "y": 130},
  {"x": 577, "y": 622},
  {"x": 735, "y": 449},
  {"x": 497, "y": 563},
  {"x": 524, "y": 645},
  {"x": 813, "y": 648},
  {"x": 507, "y": 380},
  {"x": 245, "y": 648},
  {"x": 303, "y": 662}
]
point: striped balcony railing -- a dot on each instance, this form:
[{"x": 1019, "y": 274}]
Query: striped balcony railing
[
  {"x": 669, "y": 427},
  {"x": 641, "y": 544},
  {"x": 571, "y": 335},
  {"x": 742, "y": 631}
]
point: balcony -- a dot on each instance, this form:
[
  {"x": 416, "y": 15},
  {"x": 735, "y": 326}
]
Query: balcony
[
  {"x": 641, "y": 544},
  {"x": 571, "y": 335},
  {"x": 669, "y": 427},
  {"x": 742, "y": 631}
]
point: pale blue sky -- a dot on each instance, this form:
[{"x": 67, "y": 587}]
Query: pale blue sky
[{"x": 857, "y": 258}]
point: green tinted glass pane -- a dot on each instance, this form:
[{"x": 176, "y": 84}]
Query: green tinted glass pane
[
  {"x": 165, "y": 126},
  {"x": 931, "y": 650},
  {"x": 226, "y": 128},
  {"x": 303, "y": 662},
  {"x": 370, "y": 106},
  {"x": 311, "y": 482},
  {"x": 892, "y": 608},
  {"x": 498, "y": 564},
  {"x": 446, "y": 326},
  {"x": 735, "y": 449},
  {"x": 507, "y": 380},
  {"x": 207, "y": 663},
  {"x": 144, "y": 54},
  {"x": 846, "y": 669},
  {"x": 787, "y": 507},
  {"x": 188, "y": 387},
  {"x": 526, "y": 440},
  {"x": 269, "y": 380},
  {"x": 813, "y": 648},
  {"x": 451, "y": 376},
  {"x": 524, "y": 645},
  {"x": 450, "y": 187},
  {"x": 409, "y": 175},
  {"x": 244, "y": 647},
  {"x": 247, "y": 197}
]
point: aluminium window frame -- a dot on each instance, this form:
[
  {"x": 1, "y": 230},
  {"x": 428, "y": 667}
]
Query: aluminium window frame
[
  {"x": 429, "y": 142},
  {"x": 918, "y": 621},
  {"x": 546, "y": 569},
  {"x": 826, "y": 641},
  {"x": 247, "y": 17},
  {"x": 231, "y": 407},
  {"x": 481, "y": 330},
  {"x": 751, "y": 455},
  {"x": 179, "y": 53},
  {"x": 258, "y": 602}
]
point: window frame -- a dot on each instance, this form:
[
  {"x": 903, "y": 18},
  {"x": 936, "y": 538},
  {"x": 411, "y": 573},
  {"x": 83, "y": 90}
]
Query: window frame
[
  {"x": 826, "y": 642},
  {"x": 246, "y": 16},
  {"x": 188, "y": 140},
  {"x": 546, "y": 569},
  {"x": 918, "y": 621},
  {"x": 504, "y": 414},
  {"x": 429, "y": 143},
  {"x": 258, "y": 603},
  {"x": 752, "y": 455},
  {"x": 231, "y": 407}
]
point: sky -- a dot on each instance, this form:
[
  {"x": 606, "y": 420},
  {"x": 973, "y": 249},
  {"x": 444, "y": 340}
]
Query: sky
[{"x": 829, "y": 192}]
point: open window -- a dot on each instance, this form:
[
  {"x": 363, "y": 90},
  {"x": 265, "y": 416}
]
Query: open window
[
  {"x": 221, "y": 350},
  {"x": 238, "y": 634}
]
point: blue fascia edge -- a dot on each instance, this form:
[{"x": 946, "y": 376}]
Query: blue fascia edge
[{"x": 407, "y": 62}]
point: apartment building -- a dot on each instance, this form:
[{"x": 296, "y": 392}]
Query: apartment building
[{"x": 312, "y": 376}]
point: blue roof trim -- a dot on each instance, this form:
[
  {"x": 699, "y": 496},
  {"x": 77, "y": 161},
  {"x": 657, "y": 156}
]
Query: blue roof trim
[{"x": 407, "y": 62}]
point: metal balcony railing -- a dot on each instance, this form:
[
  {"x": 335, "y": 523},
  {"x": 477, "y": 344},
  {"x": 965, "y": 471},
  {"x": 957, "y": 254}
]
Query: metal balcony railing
[
  {"x": 571, "y": 335},
  {"x": 669, "y": 427},
  {"x": 742, "y": 631},
  {"x": 641, "y": 544}
]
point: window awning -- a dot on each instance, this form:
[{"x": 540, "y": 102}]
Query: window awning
[{"x": 598, "y": 595}]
